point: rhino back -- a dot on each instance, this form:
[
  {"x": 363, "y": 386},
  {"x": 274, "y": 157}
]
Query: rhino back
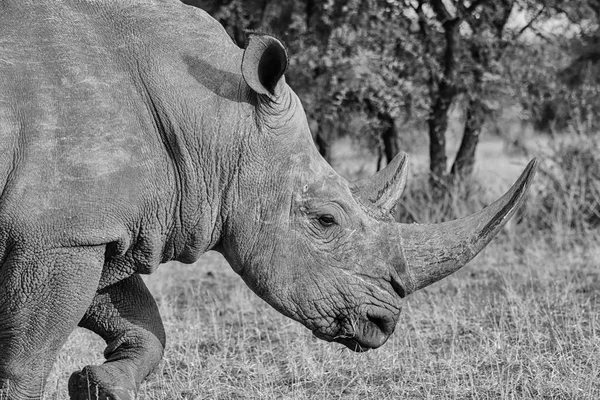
[{"x": 82, "y": 154}]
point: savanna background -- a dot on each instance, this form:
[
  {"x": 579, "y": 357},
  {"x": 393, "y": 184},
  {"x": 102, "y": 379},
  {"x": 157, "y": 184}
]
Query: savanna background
[{"x": 471, "y": 90}]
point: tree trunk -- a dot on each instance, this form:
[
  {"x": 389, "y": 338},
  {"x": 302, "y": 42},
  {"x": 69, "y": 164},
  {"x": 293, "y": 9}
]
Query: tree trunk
[
  {"x": 438, "y": 119},
  {"x": 379, "y": 157},
  {"x": 323, "y": 146},
  {"x": 438, "y": 123},
  {"x": 388, "y": 147},
  {"x": 390, "y": 142},
  {"x": 389, "y": 137},
  {"x": 465, "y": 158}
]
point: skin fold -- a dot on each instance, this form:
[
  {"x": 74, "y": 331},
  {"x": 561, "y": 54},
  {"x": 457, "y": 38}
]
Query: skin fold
[{"x": 137, "y": 132}]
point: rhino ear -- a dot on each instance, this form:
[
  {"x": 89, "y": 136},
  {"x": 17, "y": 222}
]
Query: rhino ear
[{"x": 264, "y": 63}]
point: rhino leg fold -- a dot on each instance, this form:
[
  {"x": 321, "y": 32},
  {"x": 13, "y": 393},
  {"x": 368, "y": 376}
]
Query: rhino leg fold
[
  {"x": 42, "y": 296},
  {"x": 125, "y": 315}
]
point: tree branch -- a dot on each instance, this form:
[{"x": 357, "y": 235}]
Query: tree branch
[
  {"x": 441, "y": 12},
  {"x": 474, "y": 5},
  {"x": 528, "y": 25},
  {"x": 467, "y": 12},
  {"x": 310, "y": 8},
  {"x": 422, "y": 23},
  {"x": 574, "y": 20},
  {"x": 543, "y": 37},
  {"x": 501, "y": 23}
]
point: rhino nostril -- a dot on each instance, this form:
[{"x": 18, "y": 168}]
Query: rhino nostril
[{"x": 385, "y": 325}]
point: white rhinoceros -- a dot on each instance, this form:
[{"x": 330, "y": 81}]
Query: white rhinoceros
[{"x": 135, "y": 132}]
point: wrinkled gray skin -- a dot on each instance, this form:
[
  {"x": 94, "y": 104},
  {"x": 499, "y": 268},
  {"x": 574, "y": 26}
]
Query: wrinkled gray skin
[{"x": 134, "y": 133}]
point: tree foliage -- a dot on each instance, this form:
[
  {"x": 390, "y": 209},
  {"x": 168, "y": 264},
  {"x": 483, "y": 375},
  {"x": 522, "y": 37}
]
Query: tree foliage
[{"x": 362, "y": 67}]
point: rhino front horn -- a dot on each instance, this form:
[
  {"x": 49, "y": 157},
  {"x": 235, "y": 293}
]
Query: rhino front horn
[{"x": 434, "y": 251}]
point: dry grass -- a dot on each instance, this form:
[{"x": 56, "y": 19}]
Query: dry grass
[
  {"x": 521, "y": 321},
  {"x": 513, "y": 324}
]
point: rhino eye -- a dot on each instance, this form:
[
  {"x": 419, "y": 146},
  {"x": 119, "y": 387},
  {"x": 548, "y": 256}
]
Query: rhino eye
[{"x": 326, "y": 220}]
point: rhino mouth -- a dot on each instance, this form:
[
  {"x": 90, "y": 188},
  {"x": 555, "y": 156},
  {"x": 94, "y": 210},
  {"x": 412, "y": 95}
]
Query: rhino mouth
[
  {"x": 353, "y": 343},
  {"x": 367, "y": 334}
]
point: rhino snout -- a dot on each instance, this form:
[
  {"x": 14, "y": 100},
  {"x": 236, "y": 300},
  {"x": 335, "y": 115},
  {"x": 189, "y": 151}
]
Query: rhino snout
[{"x": 369, "y": 331}]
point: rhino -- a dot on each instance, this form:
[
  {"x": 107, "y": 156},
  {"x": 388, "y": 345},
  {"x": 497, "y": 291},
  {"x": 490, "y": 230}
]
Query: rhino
[{"x": 137, "y": 132}]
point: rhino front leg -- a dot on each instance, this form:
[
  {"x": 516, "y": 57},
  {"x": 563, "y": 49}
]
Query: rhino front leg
[
  {"x": 42, "y": 296},
  {"x": 125, "y": 315}
]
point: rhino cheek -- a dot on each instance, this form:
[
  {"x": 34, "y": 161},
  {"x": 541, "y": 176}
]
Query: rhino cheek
[{"x": 344, "y": 305}]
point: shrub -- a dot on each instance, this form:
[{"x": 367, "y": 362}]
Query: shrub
[
  {"x": 566, "y": 195},
  {"x": 421, "y": 205}
]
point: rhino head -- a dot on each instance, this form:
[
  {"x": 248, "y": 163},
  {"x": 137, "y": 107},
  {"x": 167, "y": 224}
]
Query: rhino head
[{"x": 324, "y": 251}]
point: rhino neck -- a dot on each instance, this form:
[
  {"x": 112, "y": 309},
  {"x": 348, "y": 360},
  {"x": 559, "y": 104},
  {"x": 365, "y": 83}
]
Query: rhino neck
[
  {"x": 202, "y": 120},
  {"x": 188, "y": 74}
]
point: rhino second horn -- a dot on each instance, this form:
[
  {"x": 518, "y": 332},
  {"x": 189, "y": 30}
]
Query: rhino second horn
[
  {"x": 434, "y": 251},
  {"x": 385, "y": 188}
]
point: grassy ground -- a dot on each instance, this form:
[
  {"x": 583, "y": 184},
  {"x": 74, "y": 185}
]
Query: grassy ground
[
  {"x": 516, "y": 323},
  {"x": 521, "y": 321}
]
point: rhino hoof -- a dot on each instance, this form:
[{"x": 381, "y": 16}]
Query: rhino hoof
[{"x": 88, "y": 384}]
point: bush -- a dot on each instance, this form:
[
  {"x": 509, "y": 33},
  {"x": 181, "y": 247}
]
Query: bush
[
  {"x": 566, "y": 194},
  {"x": 563, "y": 206},
  {"x": 421, "y": 205}
]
